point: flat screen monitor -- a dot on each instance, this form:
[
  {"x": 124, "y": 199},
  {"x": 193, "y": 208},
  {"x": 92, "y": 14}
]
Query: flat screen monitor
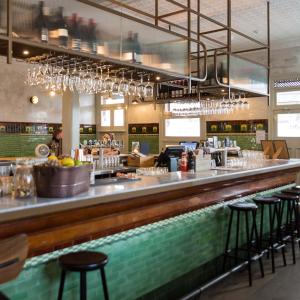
[
  {"x": 170, "y": 151},
  {"x": 189, "y": 145}
]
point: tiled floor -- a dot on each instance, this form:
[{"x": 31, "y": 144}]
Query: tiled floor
[{"x": 283, "y": 285}]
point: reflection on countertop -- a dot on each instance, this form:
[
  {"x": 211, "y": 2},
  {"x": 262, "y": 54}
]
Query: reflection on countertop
[{"x": 117, "y": 191}]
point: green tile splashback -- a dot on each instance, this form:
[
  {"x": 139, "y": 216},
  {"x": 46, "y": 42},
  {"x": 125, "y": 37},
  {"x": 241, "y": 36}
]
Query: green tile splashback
[
  {"x": 24, "y": 144},
  {"x": 151, "y": 139}
]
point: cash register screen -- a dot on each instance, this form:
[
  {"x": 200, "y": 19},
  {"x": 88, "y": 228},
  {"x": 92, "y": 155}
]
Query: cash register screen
[{"x": 191, "y": 145}]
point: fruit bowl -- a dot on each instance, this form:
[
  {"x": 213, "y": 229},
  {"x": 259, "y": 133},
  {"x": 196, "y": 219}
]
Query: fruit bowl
[{"x": 61, "y": 182}]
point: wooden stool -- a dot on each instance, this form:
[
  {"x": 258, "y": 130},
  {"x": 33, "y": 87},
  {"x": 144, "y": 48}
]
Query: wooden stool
[
  {"x": 253, "y": 251},
  {"x": 13, "y": 253},
  {"x": 82, "y": 262}
]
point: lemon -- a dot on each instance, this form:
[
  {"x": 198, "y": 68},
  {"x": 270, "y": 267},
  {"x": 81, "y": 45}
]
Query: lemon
[
  {"x": 78, "y": 163},
  {"x": 52, "y": 157},
  {"x": 68, "y": 162}
]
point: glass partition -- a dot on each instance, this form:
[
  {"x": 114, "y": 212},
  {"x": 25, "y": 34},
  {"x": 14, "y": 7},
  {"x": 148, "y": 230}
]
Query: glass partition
[
  {"x": 248, "y": 76},
  {"x": 3, "y": 17},
  {"x": 80, "y": 27}
]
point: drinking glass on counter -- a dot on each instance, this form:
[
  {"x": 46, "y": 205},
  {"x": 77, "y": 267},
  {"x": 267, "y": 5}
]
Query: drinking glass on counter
[
  {"x": 153, "y": 171},
  {"x": 23, "y": 182}
]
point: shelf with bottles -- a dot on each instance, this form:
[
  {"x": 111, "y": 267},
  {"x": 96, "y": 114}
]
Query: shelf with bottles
[
  {"x": 236, "y": 126},
  {"x": 84, "y": 29}
]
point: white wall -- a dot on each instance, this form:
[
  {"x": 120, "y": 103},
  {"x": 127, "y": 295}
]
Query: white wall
[{"x": 15, "y": 95}]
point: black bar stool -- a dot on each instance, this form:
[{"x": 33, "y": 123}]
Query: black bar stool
[
  {"x": 252, "y": 250},
  {"x": 83, "y": 261},
  {"x": 290, "y": 227},
  {"x": 275, "y": 240}
]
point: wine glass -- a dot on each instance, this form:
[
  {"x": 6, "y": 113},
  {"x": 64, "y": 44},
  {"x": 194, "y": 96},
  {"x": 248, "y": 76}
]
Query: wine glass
[
  {"x": 149, "y": 88},
  {"x": 116, "y": 84},
  {"x": 141, "y": 88},
  {"x": 123, "y": 87},
  {"x": 131, "y": 86},
  {"x": 108, "y": 83}
]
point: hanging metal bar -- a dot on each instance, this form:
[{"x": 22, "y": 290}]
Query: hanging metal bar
[
  {"x": 269, "y": 47},
  {"x": 156, "y": 12},
  {"x": 9, "y": 31},
  {"x": 189, "y": 45},
  {"x": 171, "y": 14}
]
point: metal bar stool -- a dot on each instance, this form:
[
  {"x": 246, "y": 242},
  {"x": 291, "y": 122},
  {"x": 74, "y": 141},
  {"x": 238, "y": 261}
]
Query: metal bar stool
[
  {"x": 83, "y": 262},
  {"x": 290, "y": 227},
  {"x": 274, "y": 241},
  {"x": 253, "y": 251}
]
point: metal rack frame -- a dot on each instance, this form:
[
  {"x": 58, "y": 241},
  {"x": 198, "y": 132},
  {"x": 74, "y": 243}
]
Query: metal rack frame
[{"x": 156, "y": 20}]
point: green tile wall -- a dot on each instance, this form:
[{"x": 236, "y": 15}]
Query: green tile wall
[
  {"x": 140, "y": 260},
  {"x": 151, "y": 139},
  {"x": 24, "y": 144}
]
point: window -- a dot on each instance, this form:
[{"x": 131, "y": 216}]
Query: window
[
  {"x": 115, "y": 100},
  {"x": 119, "y": 117},
  {"x": 105, "y": 118},
  {"x": 288, "y": 98},
  {"x": 288, "y": 125},
  {"x": 185, "y": 127}
]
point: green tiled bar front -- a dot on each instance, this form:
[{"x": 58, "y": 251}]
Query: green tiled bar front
[{"x": 140, "y": 260}]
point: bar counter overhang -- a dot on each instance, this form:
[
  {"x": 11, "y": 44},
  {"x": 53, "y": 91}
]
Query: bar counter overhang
[{"x": 109, "y": 209}]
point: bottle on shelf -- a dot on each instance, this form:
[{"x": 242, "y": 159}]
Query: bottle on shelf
[
  {"x": 92, "y": 38},
  {"x": 84, "y": 35},
  {"x": 137, "y": 53},
  {"x": 42, "y": 22},
  {"x": 128, "y": 47},
  {"x": 62, "y": 29},
  {"x": 75, "y": 33}
]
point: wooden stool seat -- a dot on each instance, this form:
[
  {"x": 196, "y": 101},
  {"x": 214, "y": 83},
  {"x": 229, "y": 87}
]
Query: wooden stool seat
[
  {"x": 243, "y": 206},
  {"x": 83, "y": 261},
  {"x": 266, "y": 200}
]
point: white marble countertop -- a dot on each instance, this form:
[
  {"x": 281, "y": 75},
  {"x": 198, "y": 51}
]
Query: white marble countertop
[{"x": 11, "y": 209}]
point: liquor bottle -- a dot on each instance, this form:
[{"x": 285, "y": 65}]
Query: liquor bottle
[
  {"x": 42, "y": 22},
  {"x": 62, "y": 29},
  {"x": 137, "y": 53},
  {"x": 184, "y": 162},
  {"x": 75, "y": 33},
  {"x": 84, "y": 35},
  {"x": 92, "y": 38},
  {"x": 191, "y": 161},
  {"x": 128, "y": 47}
]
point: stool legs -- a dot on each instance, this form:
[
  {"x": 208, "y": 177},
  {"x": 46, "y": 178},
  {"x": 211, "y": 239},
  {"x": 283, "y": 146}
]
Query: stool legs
[
  {"x": 248, "y": 248},
  {"x": 82, "y": 285},
  {"x": 104, "y": 284},
  {"x": 258, "y": 244},
  {"x": 61, "y": 285},
  {"x": 277, "y": 211},
  {"x": 227, "y": 240}
]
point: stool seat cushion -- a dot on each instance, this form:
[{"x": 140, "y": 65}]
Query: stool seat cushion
[
  {"x": 288, "y": 197},
  {"x": 266, "y": 200},
  {"x": 83, "y": 261},
  {"x": 244, "y": 206},
  {"x": 293, "y": 192}
]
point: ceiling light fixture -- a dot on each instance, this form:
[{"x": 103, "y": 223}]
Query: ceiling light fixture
[
  {"x": 25, "y": 52},
  {"x": 52, "y": 93}
]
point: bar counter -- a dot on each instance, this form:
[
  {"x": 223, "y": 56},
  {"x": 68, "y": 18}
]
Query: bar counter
[
  {"x": 154, "y": 231},
  {"x": 114, "y": 207}
]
